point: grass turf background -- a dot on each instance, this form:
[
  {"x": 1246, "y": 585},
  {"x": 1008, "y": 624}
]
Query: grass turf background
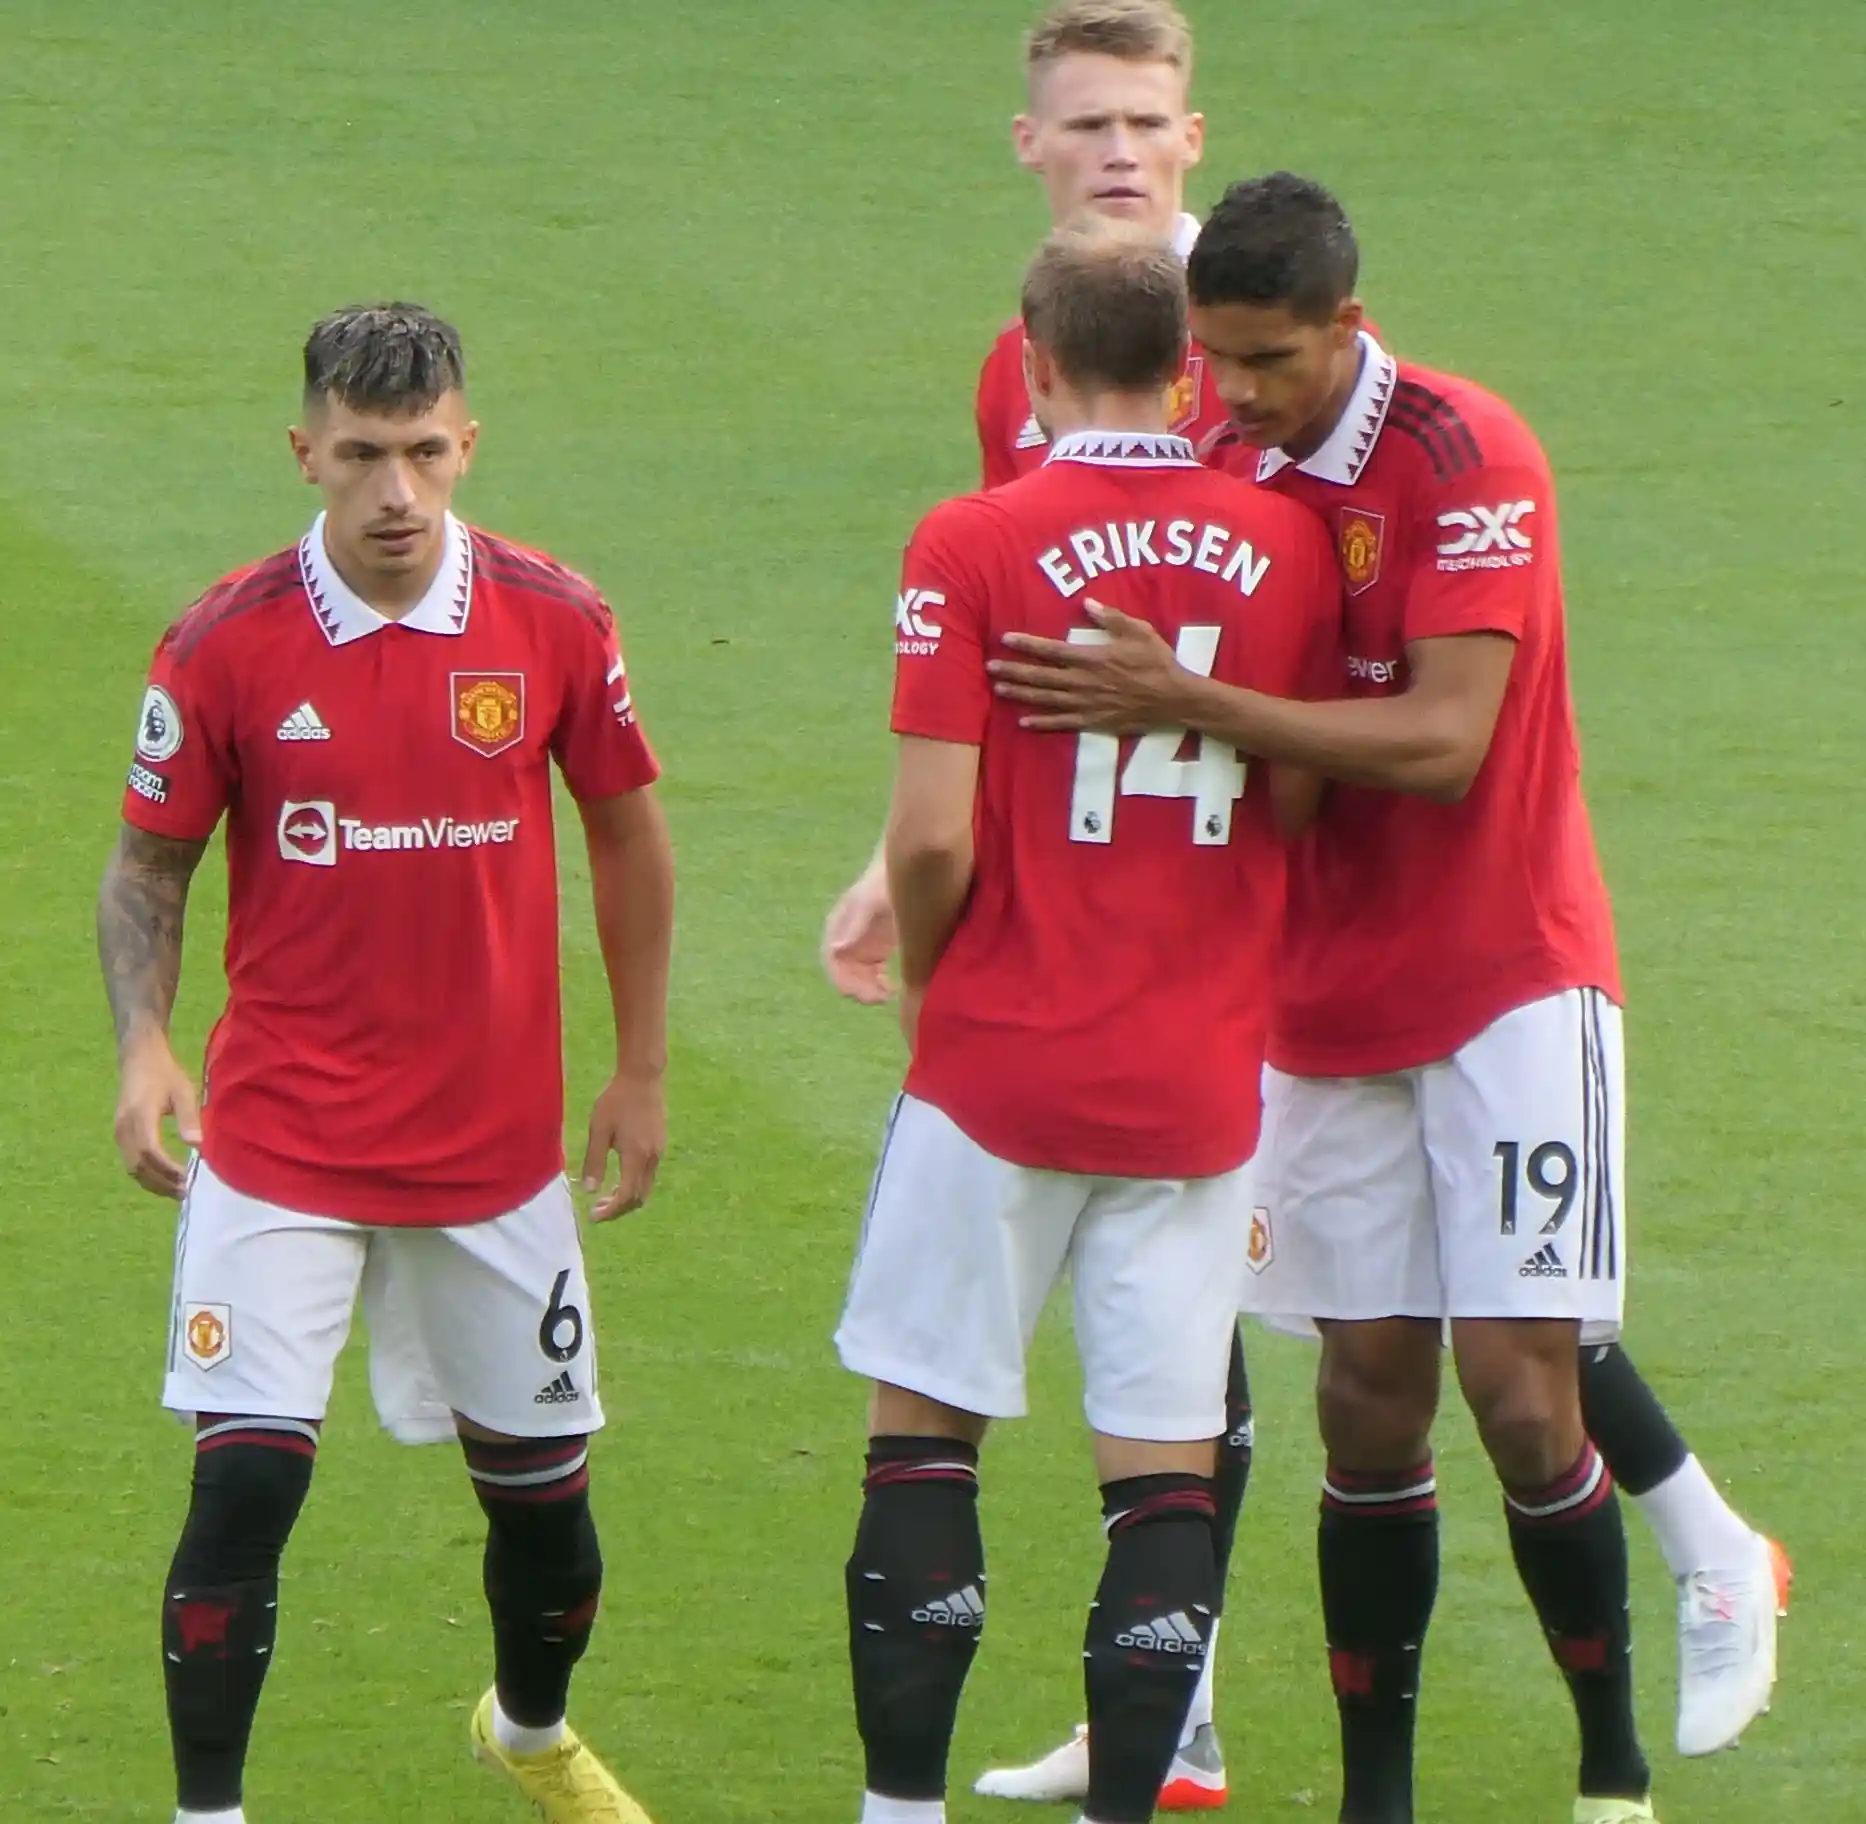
[{"x": 725, "y": 273}]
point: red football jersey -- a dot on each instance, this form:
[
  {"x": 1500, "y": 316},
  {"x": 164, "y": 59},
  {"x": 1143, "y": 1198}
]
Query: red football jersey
[
  {"x": 1011, "y": 442},
  {"x": 1413, "y": 925},
  {"x": 390, "y": 1048},
  {"x": 1108, "y": 985}
]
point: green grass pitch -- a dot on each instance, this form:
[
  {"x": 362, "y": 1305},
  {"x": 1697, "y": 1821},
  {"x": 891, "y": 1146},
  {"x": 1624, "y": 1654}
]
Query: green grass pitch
[{"x": 726, "y": 271}]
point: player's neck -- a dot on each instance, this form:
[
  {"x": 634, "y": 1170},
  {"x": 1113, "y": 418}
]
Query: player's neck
[
  {"x": 1144, "y": 413},
  {"x": 1322, "y": 426},
  {"x": 394, "y": 595}
]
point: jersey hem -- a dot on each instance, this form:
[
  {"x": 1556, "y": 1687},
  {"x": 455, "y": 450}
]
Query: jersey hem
[
  {"x": 305, "y": 1191},
  {"x": 1379, "y": 1057}
]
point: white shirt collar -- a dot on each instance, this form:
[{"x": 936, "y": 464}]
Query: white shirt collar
[
  {"x": 1124, "y": 450},
  {"x": 345, "y": 616},
  {"x": 1342, "y": 458},
  {"x": 1185, "y": 232}
]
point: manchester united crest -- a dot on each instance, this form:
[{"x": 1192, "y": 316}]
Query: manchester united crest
[
  {"x": 1363, "y": 535},
  {"x": 488, "y": 710},
  {"x": 1182, "y": 403},
  {"x": 1262, "y": 1249},
  {"x": 207, "y": 1334}
]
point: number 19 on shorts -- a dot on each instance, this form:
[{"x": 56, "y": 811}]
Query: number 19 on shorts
[{"x": 1213, "y": 778}]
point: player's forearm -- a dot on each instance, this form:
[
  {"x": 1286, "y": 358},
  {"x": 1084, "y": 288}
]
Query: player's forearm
[
  {"x": 1398, "y": 744},
  {"x": 632, "y": 882},
  {"x": 141, "y": 909},
  {"x": 927, "y": 886}
]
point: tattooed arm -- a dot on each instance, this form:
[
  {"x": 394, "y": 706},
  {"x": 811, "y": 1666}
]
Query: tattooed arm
[{"x": 140, "y": 911}]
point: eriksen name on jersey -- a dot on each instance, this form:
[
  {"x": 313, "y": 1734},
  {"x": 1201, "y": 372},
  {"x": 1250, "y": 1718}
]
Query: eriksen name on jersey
[{"x": 1129, "y": 545}]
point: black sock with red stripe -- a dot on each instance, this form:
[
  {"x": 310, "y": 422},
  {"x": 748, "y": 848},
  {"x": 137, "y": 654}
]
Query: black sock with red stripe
[
  {"x": 1147, "y": 1638},
  {"x": 1378, "y": 1549},
  {"x": 1231, "y": 1481},
  {"x": 221, "y": 1608},
  {"x": 1570, "y": 1548},
  {"x": 544, "y": 1568},
  {"x": 916, "y": 1592}
]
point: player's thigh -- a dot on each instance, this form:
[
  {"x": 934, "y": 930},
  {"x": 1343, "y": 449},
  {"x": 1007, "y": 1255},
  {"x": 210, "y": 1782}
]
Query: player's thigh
[
  {"x": 958, "y": 1252},
  {"x": 1343, "y": 1224},
  {"x": 262, "y": 1303},
  {"x": 493, "y": 1319},
  {"x": 1158, "y": 1268},
  {"x": 1526, "y": 1131}
]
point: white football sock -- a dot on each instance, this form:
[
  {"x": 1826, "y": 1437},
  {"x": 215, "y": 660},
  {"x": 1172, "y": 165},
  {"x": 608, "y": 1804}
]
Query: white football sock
[
  {"x": 877, "y": 1810},
  {"x": 1697, "y": 1528},
  {"x": 1201, "y": 1712},
  {"x": 236, "y": 1816},
  {"x": 515, "y": 1738}
]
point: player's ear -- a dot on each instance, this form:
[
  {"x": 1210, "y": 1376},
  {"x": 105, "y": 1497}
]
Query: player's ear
[
  {"x": 1348, "y": 320},
  {"x": 469, "y": 441},
  {"x": 1195, "y": 139},
  {"x": 301, "y": 450},
  {"x": 1024, "y": 143}
]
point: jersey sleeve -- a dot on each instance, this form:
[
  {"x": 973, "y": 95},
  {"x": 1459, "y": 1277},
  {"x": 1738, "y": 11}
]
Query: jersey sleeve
[
  {"x": 1478, "y": 551},
  {"x": 598, "y": 741},
  {"x": 996, "y": 437},
  {"x": 941, "y": 616},
  {"x": 186, "y": 768}
]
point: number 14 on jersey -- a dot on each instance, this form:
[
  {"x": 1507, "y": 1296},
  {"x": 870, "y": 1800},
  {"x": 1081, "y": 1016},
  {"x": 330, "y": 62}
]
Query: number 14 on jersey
[{"x": 1213, "y": 778}]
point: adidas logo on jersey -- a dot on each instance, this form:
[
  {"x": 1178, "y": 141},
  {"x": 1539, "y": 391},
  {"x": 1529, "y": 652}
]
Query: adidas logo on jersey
[
  {"x": 962, "y": 1609},
  {"x": 1545, "y": 1263},
  {"x": 561, "y": 1392},
  {"x": 1172, "y": 1634},
  {"x": 1031, "y": 436},
  {"x": 303, "y": 724}
]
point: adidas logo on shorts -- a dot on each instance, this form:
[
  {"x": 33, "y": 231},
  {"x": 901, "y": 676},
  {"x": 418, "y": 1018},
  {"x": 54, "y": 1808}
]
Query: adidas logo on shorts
[
  {"x": 962, "y": 1609},
  {"x": 1545, "y": 1263},
  {"x": 1172, "y": 1634},
  {"x": 561, "y": 1392}
]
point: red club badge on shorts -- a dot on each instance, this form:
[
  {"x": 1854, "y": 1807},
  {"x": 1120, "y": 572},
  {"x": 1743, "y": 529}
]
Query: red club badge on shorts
[
  {"x": 488, "y": 710},
  {"x": 1362, "y": 536},
  {"x": 1182, "y": 403},
  {"x": 1262, "y": 1249},
  {"x": 207, "y": 1334}
]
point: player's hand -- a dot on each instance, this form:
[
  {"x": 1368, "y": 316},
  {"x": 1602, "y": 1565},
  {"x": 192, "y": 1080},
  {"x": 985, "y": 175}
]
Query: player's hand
[
  {"x": 858, "y": 939},
  {"x": 629, "y": 1120},
  {"x": 1122, "y": 684},
  {"x": 152, "y": 1087}
]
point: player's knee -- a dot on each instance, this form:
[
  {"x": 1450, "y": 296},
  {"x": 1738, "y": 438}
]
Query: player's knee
[
  {"x": 1531, "y": 1429},
  {"x": 543, "y": 1555},
  {"x": 1375, "y": 1407},
  {"x": 250, "y": 1481}
]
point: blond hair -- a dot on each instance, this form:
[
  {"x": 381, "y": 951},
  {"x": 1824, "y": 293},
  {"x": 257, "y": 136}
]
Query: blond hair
[
  {"x": 1137, "y": 31},
  {"x": 1109, "y": 304}
]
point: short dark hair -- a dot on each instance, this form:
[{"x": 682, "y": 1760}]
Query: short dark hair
[
  {"x": 396, "y": 359},
  {"x": 1280, "y": 239},
  {"x": 1110, "y": 305}
]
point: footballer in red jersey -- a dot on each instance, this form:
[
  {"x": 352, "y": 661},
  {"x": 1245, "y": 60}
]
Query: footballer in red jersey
[
  {"x": 375, "y": 714},
  {"x": 1444, "y": 1120},
  {"x": 1088, "y": 936}
]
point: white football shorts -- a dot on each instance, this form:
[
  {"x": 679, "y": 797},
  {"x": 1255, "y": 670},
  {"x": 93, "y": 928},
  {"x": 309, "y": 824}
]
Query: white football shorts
[
  {"x": 490, "y": 1320},
  {"x": 1489, "y": 1184},
  {"x": 960, "y": 1249}
]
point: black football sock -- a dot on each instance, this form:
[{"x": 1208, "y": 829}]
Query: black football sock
[
  {"x": 1378, "y": 1549},
  {"x": 916, "y": 1593},
  {"x": 1232, "y": 1479},
  {"x": 221, "y": 1608},
  {"x": 543, "y": 1568},
  {"x": 1146, "y": 1639},
  {"x": 1570, "y": 1549},
  {"x": 1623, "y": 1416}
]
